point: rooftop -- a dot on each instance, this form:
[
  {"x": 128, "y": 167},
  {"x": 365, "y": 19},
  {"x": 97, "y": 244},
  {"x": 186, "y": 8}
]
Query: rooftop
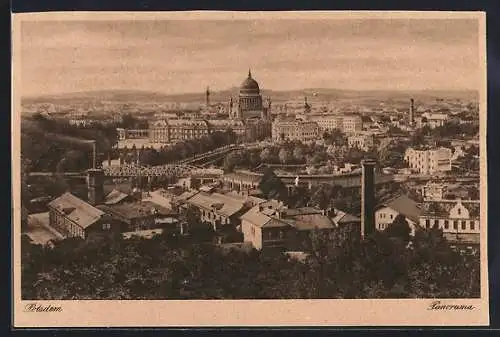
[
  {"x": 243, "y": 175},
  {"x": 222, "y": 204},
  {"x": 115, "y": 197},
  {"x": 405, "y": 206},
  {"x": 442, "y": 208},
  {"x": 76, "y": 210},
  {"x": 132, "y": 210}
]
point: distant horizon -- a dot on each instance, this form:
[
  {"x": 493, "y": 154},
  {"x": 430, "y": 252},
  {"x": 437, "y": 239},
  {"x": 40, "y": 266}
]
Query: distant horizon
[
  {"x": 202, "y": 92},
  {"x": 185, "y": 56}
]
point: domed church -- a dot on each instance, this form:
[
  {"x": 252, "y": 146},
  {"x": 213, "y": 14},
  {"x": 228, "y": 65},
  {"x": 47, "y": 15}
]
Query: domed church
[{"x": 250, "y": 102}]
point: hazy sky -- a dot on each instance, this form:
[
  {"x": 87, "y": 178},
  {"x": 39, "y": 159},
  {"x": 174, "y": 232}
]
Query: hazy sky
[{"x": 175, "y": 56}]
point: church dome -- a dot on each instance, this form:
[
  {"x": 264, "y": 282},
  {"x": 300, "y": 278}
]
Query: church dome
[{"x": 249, "y": 85}]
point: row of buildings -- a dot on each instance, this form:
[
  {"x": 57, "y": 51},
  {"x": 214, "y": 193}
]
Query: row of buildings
[
  {"x": 248, "y": 118},
  {"x": 262, "y": 223}
]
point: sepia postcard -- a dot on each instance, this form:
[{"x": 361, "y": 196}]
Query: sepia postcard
[{"x": 208, "y": 169}]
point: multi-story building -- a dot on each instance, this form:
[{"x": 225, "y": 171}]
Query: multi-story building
[
  {"x": 124, "y": 134},
  {"x": 73, "y": 217},
  {"x": 271, "y": 225},
  {"x": 327, "y": 122},
  {"x": 458, "y": 219},
  {"x": 238, "y": 126},
  {"x": 303, "y": 131},
  {"x": 347, "y": 123},
  {"x": 173, "y": 130},
  {"x": 217, "y": 209},
  {"x": 428, "y": 161},
  {"x": 432, "y": 120},
  {"x": 352, "y": 124},
  {"x": 361, "y": 141}
]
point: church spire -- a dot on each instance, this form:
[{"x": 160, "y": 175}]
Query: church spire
[
  {"x": 207, "y": 96},
  {"x": 249, "y": 73}
]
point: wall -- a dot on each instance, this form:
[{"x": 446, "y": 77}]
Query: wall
[{"x": 252, "y": 233}]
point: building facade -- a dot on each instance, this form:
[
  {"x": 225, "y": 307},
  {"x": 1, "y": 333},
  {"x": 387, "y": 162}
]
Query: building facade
[
  {"x": 458, "y": 219},
  {"x": 174, "y": 130},
  {"x": 428, "y": 161},
  {"x": 352, "y": 124},
  {"x": 73, "y": 217},
  {"x": 303, "y": 131},
  {"x": 361, "y": 141},
  {"x": 431, "y": 120},
  {"x": 219, "y": 210},
  {"x": 346, "y": 123},
  {"x": 272, "y": 225},
  {"x": 328, "y": 122},
  {"x": 124, "y": 134}
]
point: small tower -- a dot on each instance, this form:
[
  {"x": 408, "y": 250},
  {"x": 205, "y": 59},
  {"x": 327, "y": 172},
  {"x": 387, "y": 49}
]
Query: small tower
[
  {"x": 230, "y": 110},
  {"x": 95, "y": 186},
  {"x": 207, "y": 97},
  {"x": 307, "y": 107}
]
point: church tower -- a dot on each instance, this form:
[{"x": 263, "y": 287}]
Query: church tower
[
  {"x": 307, "y": 107},
  {"x": 207, "y": 97},
  {"x": 250, "y": 99}
]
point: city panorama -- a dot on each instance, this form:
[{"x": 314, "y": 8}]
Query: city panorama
[{"x": 247, "y": 159}]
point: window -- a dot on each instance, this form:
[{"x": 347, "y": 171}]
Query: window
[
  {"x": 459, "y": 211},
  {"x": 106, "y": 226},
  {"x": 269, "y": 235},
  {"x": 282, "y": 234},
  {"x": 463, "y": 225},
  {"x": 436, "y": 223},
  {"x": 472, "y": 225},
  {"x": 455, "y": 224},
  {"x": 427, "y": 223},
  {"x": 391, "y": 216},
  {"x": 446, "y": 224}
]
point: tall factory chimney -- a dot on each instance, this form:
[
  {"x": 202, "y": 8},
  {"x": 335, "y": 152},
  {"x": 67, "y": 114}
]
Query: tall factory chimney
[
  {"x": 367, "y": 197},
  {"x": 95, "y": 186},
  {"x": 412, "y": 111}
]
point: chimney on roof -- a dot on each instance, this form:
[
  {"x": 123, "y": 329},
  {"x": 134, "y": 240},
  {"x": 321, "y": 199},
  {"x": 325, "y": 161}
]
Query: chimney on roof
[{"x": 367, "y": 197}]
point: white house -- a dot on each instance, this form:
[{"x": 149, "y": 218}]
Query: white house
[
  {"x": 386, "y": 212},
  {"x": 428, "y": 161},
  {"x": 458, "y": 219}
]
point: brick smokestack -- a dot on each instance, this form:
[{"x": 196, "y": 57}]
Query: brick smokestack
[
  {"x": 367, "y": 197},
  {"x": 411, "y": 116},
  {"x": 95, "y": 186}
]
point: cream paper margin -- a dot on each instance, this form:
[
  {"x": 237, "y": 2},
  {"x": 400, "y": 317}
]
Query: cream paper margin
[{"x": 291, "y": 313}]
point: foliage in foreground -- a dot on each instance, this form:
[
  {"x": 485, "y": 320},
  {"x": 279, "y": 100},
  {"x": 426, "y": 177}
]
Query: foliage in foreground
[{"x": 166, "y": 268}]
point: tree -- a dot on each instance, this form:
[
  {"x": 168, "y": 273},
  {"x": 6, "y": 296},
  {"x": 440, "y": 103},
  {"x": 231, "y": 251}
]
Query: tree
[
  {"x": 284, "y": 156},
  {"x": 149, "y": 157},
  {"x": 399, "y": 228},
  {"x": 129, "y": 121},
  {"x": 231, "y": 161},
  {"x": 299, "y": 154},
  {"x": 265, "y": 155},
  {"x": 272, "y": 187}
]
